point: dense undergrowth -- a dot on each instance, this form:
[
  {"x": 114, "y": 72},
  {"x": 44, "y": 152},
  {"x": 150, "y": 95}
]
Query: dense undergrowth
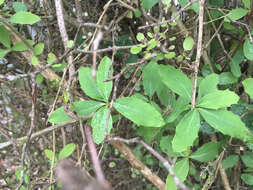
[{"x": 165, "y": 86}]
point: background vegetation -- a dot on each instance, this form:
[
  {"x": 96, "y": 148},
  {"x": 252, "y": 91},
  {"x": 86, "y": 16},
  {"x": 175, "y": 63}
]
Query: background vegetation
[{"x": 165, "y": 86}]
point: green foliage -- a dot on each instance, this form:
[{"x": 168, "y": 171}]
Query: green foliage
[
  {"x": 207, "y": 152},
  {"x": 103, "y": 74},
  {"x": 86, "y": 107},
  {"x": 218, "y": 99},
  {"x": 248, "y": 86},
  {"x": 162, "y": 107},
  {"x": 177, "y": 81},
  {"x": 188, "y": 43},
  {"x": 150, "y": 78},
  {"x": 148, "y": 4},
  {"x": 248, "y": 49},
  {"x": 67, "y": 151},
  {"x": 23, "y": 17},
  {"x": 21, "y": 46},
  {"x": 235, "y": 14},
  {"x": 225, "y": 122},
  {"x": 18, "y": 175},
  {"x": 188, "y": 128},
  {"x": 19, "y": 7},
  {"x": 59, "y": 116},
  {"x": 230, "y": 161},
  {"x": 5, "y": 37},
  {"x": 181, "y": 170},
  {"x": 101, "y": 124},
  {"x": 247, "y": 178},
  {"x": 88, "y": 84},
  {"x": 38, "y": 49},
  {"x": 138, "y": 111}
]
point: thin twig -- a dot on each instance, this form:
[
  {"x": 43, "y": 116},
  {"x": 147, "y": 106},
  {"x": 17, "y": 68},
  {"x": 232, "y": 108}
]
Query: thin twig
[
  {"x": 171, "y": 19},
  {"x": 44, "y": 131},
  {"x": 199, "y": 51},
  {"x": 94, "y": 156},
  {"x": 165, "y": 162},
  {"x": 29, "y": 134}
]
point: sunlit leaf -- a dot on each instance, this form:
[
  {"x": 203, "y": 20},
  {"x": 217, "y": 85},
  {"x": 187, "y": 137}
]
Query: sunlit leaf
[
  {"x": 218, "y": 99},
  {"x": 225, "y": 122},
  {"x": 101, "y": 122},
  {"x": 248, "y": 86},
  {"x": 176, "y": 80},
  {"x": 88, "y": 84},
  {"x": 187, "y": 128},
  {"x": 138, "y": 111},
  {"x": 207, "y": 152},
  {"x": 67, "y": 150},
  {"x": 104, "y": 72},
  {"x": 59, "y": 116},
  {"x": 24, "y": 18}
]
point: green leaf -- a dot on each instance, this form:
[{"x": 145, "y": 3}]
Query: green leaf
[
  {"x": 5, "y": 37},
  {"x": 152, "y": 44},
  {"x": 163, "y": 93},
  {"x": 181, "y": 170},
  {"x": 225, "y": 122},
  {"x": 236, "y": 14},
  {"x": 1, "y": 2},
  {"x": 38, "y": 49},
  {"x": 51, "y": 58},
  {"x": 227, "y": 78},
  {"x": 218, "y": 99},
  {"x": 140, "y": 37},
  {"x": 86, "y": 107},
  {"x": 208, "y": 85},
  {"x": 18, "y": 175},
  {"x": 170, "y": 55},
  {"x": 188, "y": 43},
  {"x": 247, "y": 159},
  {"x": 137, "y": 13},
  {"x": 18, "y": 7},
  {"x": 98, "y": 124},
  {"x": 135, "y": 49},
  {"x": 3, "y": 52},
  {"x": 148, "y": 4},
  {"x": 88, "y": 84},
  {"x": 35, "y": 60},
  {"x": 247, "y": 178},
  {"x": 20, "y": 46},
  {"x": 235, "y": 63},
  {"x": 187, "y": 129},
  {"x": 58, "y": 116},
  {"x": 24, "y": 18},
  {"x": 207, "y": 152},
  {"x": 49, "y": 154},
  {"x": 104, "y": 72},
  {"x": 248, "y": 86},
  {"x": 39, "y": 78},
  {"x": 166, "y": 146},
  {"x": 248, "y": 49},
  {"x": 70, "y": 43},
  {"x": 150, "y": 78},
  {"x": 181, "y": 105},
  {"x": 230, "y": 161},
  {"x": 67, "y": 150},
  {"x": 246, "y": 3},
  {"x": 138, "y": 111},
  {"x": 176, "y": 80}
]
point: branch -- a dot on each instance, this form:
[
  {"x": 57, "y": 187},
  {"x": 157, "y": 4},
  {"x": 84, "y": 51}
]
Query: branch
[{"x": 199, "y": 49}]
